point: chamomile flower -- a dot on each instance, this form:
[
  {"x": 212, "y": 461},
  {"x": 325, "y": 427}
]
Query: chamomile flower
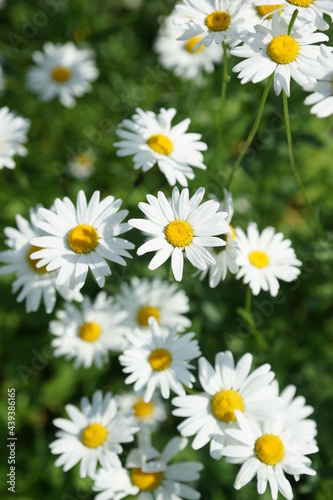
[
  {"x": 159, "y": 360},
  {"x": 181, "y": 226},
  {"x": 81, "y": 166},
  {"x": 274, "y": 51},
  {"x": 322, "y": 96},
  {"x": 296, "y": 412},
  {"x": 89, "y": 333},
  {"x": 227, "y": 388},
  {"x": 62, "y": 71},
  {"x": 81, "y": 238},
  {"x": 152, "y": 140},
  {"x": 268, "y": 451},
  {"x": 264, "y": 258},
  {"x": 180, "y": 56},
  {"x": 33, "y": 283},
  {"x": 309, "y": 11},
  {"x": 92, "y": 435},
  {"x": 142, "y": 298},
  {"x": 149, "y": 475},
  {"x": 225, "y": 257},
  {"x": 217, "y": 20},
  {"x": 145, "y": 414},
  {"x": 13, "y": 134}
]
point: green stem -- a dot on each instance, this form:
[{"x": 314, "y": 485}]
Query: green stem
[
  {"x": 292, "y": 162},
  {"x": 223, "y": 97},
  {"x": 256, "y": 334},
  {"x": 252, "y": 133}
]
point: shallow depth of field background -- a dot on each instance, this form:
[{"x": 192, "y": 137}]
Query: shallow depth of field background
[{"x": 298, "y": 325}]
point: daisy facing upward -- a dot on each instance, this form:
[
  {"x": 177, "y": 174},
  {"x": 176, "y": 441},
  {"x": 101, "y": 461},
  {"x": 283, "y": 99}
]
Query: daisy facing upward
[
  {"x": 159, "y": 360},
  {"x": 76, "y": 239},
  {"x": 268, "y": 451},
  {"x": 216, "y": 20},
  {"x": 62, "y": 71},
  {"x": 264, "y": 258},
  {"x": 269, "y": 51},
  {"x": 152, "y": 140},
  {"x": 93, "y": 435},
  {"x": 89, "y": 333},
  {"x": 181, "y": 226}
]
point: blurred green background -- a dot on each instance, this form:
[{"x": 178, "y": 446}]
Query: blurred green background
[{"x": 299, "y": 330}]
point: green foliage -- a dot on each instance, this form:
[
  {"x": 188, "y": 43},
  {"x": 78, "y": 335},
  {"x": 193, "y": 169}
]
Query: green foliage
[{"x": 298, "y": 327}]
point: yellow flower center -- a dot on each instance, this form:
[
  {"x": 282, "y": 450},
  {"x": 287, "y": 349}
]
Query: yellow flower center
[
  {"x": 191, "y": 43},
  {"x": 160, "y": 144},
  {"x": 33, "y": 262},
  {"x": 259, "y": 259},
  {"x": 84, "y": 160},
  {"x": 144, "y": 314},
  {"x": 179, "y": 233},
  {"x": 82, "y": 238},
  {"x": 224, "y": 403},
  {"x": 283, "y": 49},
  {"x": 160, "y": 359},
  {"x": 60, "y": 74},
  {"x": 90, "y": 332},
  {"x": 218, "y": 21},
  {"x": 263, "y": 10},
  {"x": 142, "y": 409},
  {"x": 301, "y": 3},
  {"x": 94, "y": 435},
  {"x": 146, "y": 481},
  {"x": 269, "y": 449}
]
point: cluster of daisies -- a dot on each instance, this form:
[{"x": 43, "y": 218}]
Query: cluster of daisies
[
  {"x": 272, "y": 39},
  {"x": 54, "y": 250},
  {"x": 239, "y": 413},
  {"x": 263, "y": 34}
]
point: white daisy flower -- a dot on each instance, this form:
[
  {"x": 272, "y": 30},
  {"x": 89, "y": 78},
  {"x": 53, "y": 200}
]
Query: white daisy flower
[
  {"x": 13, "y": 134},
  {"x": 93, "y": 435},
  {"x": 264, "y": 258},
  {"x": 163, "y": 300},
  {"x": 81, "y": 166},
  {"x": 152, "y": 139},
  {"x": 269, "y": 51},
  {"x": 181, "y": 226},
  {"x": 89, "y": 333},
  {"x": 296, "y": 412},
  {"x": 159, "y": 360},
  {"x": 62, "y": 71},
  {"x": 309, "y": 11},
  {"x": 180, "y": 56},
  {"x": 33, "y": 283},
  {"x": 268, "y": 452},
  {"x": 217, "y": 20},
  {"x": 227, "y": 388},
  {"x": 322, "y": 96},
  {"x": 151, "y": 413},
  {"x": 149, "y": 475},
  {"x": 81, "y": 238},
  {"x": 225, "y": 257}
]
